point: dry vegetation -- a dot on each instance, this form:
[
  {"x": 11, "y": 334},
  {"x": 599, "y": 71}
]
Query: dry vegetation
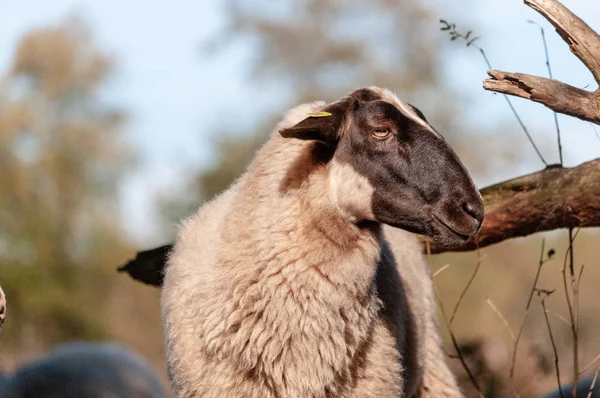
[
  {"x": 62, "y": 158},
  {"x": 538, "y": 202}
]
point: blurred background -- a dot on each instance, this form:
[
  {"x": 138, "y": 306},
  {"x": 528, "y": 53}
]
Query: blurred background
[{"x": 119, "y": 117}]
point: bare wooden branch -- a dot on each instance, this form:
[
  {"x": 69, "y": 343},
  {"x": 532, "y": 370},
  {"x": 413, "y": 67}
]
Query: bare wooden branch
[
  {"x": 556, "y": 359},
  {"x": 467, "y": 286},
  {"x": 558, "y": 96},
  {"x": 550, "y": 199},
  {"x": 582, "y": 40},
  {"x": 526, "y": 315}
]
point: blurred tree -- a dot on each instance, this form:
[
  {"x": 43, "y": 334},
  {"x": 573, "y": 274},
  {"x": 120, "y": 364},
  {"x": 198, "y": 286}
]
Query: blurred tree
[
  {"x": 61, "y": 157},
  {"x": 306, "y": 50},
  {"x": 321, "y": 50}
]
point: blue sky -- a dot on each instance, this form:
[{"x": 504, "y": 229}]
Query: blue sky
[{"x": 176, "y": 97}]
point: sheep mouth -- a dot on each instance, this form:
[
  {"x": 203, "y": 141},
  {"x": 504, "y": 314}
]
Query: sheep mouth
[{"x": 462, "y": 236}]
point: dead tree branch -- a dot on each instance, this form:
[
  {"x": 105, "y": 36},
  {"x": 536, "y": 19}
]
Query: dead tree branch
[
  {"x": 448, "y": 322},
  {"x": 541, "y": 263},
  {"x": 547, "y": 293},
  {"x": 558, "y": 96}
]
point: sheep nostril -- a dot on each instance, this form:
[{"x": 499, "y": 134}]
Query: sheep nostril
[{"x": 472, "y": 211}]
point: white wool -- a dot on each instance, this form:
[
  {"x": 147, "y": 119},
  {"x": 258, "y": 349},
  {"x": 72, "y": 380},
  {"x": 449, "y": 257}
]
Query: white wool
[{"x": 304, "y": 304}]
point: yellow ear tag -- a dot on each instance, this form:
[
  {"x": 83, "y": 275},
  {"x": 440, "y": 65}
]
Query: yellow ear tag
[{"x": 319, "y": 114}]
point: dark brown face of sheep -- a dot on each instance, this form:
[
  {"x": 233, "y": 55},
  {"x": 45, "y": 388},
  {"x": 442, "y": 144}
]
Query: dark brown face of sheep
[{"x": 415, "y": 180}]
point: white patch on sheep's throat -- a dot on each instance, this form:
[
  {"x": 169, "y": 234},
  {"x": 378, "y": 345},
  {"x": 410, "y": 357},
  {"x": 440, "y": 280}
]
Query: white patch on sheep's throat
[
  {"x": 350, "y": 192},
  {"x": 403, "y": 107}
]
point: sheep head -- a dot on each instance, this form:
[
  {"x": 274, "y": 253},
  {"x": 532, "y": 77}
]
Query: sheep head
[{"x": 389, "y": 165}]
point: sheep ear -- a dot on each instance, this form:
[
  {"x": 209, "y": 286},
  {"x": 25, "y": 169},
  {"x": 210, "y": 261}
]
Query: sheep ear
[{"x": 319, "y": 126}]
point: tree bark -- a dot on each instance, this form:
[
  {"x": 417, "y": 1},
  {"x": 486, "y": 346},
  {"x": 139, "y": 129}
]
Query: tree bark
[{"x": 558, "y": 96}]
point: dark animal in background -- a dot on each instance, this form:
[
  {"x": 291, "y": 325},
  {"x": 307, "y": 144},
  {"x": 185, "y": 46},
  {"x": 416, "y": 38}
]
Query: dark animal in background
[
  {"x": 583, "y": 389},
  {"x": 85, "y": 370}
]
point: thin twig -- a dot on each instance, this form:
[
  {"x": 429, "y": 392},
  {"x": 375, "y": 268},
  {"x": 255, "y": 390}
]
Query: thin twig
[
  {"x": 526, "y": 315},
  {"x": 595, "y": 131},
  {"x": 573, "y": 309},
  {"x": 514, "y": 111},
  {"x": 454, "y": 34},
  {"x": 553, "y": 343},
  {"x": 560, "y": 154},
  {"x": 502, "y": 318},
  {"x": 580, "y": 275},
  {"x": 441, "y": 269},
  {"x": 576, "y": 296},
  {"x": 449, "y": 327},
  {"x": 571, "y": 255},
  {"x": 462, "y": 294},
  {"x": 591, "y": 390},
  {"x": 561, "y": 318},
  {"x": 589, "y": 365},
  {"x": 565, "y": 284},
  {"x": 485, "y": 58},
  {"x": 516, "y": 345},
  {"x": 572, "y": 304},
  {"x": 456, "y": 346},
  {"x": 432, "y": 276},
  {"x": 537, "y": 274}
]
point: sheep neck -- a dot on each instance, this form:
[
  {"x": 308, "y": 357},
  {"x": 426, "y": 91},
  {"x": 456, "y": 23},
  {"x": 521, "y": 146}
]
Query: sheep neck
[
  {"x": 305, "y": 277},
  {"x": 292, "y": 218}
]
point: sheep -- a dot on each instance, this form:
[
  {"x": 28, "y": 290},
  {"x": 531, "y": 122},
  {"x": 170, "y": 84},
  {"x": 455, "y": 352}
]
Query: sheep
[
  {"x": 304, "y": 278},
  {"x": 85, "y": 370}
]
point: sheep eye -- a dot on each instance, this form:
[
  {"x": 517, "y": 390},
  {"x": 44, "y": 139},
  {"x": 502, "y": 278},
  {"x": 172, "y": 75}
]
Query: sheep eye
[{"x": 381, "y": 133}]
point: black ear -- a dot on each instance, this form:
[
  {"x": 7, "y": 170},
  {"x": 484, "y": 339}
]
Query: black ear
[{"x": 320, "y": 126}]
